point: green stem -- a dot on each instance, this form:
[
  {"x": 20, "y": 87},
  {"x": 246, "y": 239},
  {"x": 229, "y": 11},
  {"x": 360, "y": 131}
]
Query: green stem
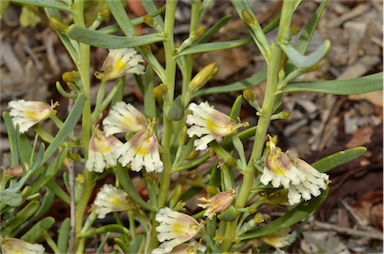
[
  {"x": 274, "y": 66},
  {"x": 170, "y": 72},
  {"x": 83, "y": 65}
]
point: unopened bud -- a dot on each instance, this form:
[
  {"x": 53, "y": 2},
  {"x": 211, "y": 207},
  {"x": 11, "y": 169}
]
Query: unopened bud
[
  {"x": 57, "y": 24},
  {"x": 176, "y": 112},
  {"x": 159, "y": 91},
  {"x": 176, "y": 194},
  {"x": 71, "y": 76},
  {"x": 259, "y": 218},
  {"x": 249, "y": 95},
  {"x": 198, "y": 33},
  {"x": 295, "y": 30},
  {"x": 104, "y": 14},
  {"x": 248, "y": 17},
  {"x": 228, "y": 214},
  {"x": 203, "y": 76},
  {"x": 150, "y": 21}
]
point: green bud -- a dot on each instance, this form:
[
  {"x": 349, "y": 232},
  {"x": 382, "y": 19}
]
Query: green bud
[
  {"x": 248, "y": 17},
  {"x": 203, "y": 76},
  {"x": 259, "y": 218},
  {"x": 150, "y": 21},
  {"x": 231, "y": 162},
  {"x": 159, "y": 91},
  {"x": 57, "y": 24},
  {"x": 295, "y": 30},
  {"x": 198, "y": 33},
  {"x": 176, "y": 112},
  {"x": 249, "y": 95},
  {"x": 104, "y": 14},
  {"x": 71, "y": 76},
  {"x": 228, "y": 214}
]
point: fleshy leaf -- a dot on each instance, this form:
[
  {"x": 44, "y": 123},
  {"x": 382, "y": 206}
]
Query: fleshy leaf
[
  {"x": 103, "y": 40},
  {"x": 327, "y": 163},
  {"x": 302, "y": 61},
  {"x": 361, "y": 85}
]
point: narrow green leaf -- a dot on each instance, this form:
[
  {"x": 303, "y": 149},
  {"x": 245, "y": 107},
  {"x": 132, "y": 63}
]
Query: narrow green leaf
[
  {"x": 100, "y": 249},
  {"x": 11, "y": 138},
  {"x": 302, "y": 61},
  {"x": 252, "y": 81},
  {"x": 361, "y": 85},
  {"x": 212, "y": 46},
  {"x": 103, "y": 40},
  {"x": 45, "y": 3},
  {"x": 63, "y": 239},
  {"x": 38, "y": 230},
  {"x": 53, "y": 186},
  {"x": 67, "y": 128},
  {"x": 213, "y": 30},
  {"x": 21, "y": 216},
  {"x": 118, "y": 12},
  {"x": 332, "y": 161},
  {"x": 300, "y": 212},
  {"x": 149, "y": 98}
]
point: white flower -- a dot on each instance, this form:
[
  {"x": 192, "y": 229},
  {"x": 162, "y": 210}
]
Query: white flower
[
  {"x": 120, "y": 62},
  {"x": 175, "y": 228},
  {"x": 300, "y": 179},
  {"x": 209, "y": 124},
  {"x": 28, "y": 113},
  {"x": 101, "y": 154},
  {"x": 141, "y": 151},
  {"x": 217, "y": 203},
  {"x": 184, "y": 248},
  {"x": 110, "y": 199},
  {"x": 123, "y": 118},
  {"x": 14, "y": 246}
]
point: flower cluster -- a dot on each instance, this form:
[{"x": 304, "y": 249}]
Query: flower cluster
[
  {"x": 300, "y": 179},
  {"x": 175, "y": 228},
  {"x": 141, "y": 150},
  {"x": 209, "y": 124}
]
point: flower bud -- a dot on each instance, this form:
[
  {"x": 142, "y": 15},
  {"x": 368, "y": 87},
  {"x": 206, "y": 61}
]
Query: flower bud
[
  {"x": 149, "y": 20},
  {"x": 295, "y": 30},
  {"x": 203, "y": 76},
  {"x": 57, "y": 24},
  {"x": 249, "y": 95},
  {"x": 198, "y": 33},
  {"x": 229, "y": 214},
  {"x": 104, "y": 14},
  {"x": 248, "y": 17},
  {"x": 175, "y": 196},
  {"x": 176, "y": 112},
  {"x": 71, "y": 76},
  {"x": 159, "y": 91}
]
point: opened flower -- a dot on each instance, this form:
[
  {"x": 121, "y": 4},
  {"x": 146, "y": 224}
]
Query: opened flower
[
  {"x": 101, "y": 154},
  {"x": 120, "y": 62},
  {"x": 300, "y": 179},
  {"x": 141, "y": 151},
  {"x": 13, "y": 246},
  {"x": 175, "y": 228},
  {"x": 28, "y": 113},
  {"x": 209, "y": 124},
  {"x": 123, "y": 117},
  {"x": 110, "y": 199},
  {"x": 217, "y": 203}
]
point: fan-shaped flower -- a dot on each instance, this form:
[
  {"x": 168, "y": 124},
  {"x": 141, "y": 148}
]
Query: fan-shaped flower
[
  {"x": 13, "y": 245},
  {"x": 300, "y": 179},
  {"x": 101, "y": 154},
  {"x": 209, "y": 124},
  {"x": 111, "y": 199},
  {"x": 28, "y": 113},
  {"x": 175, "y": 228},
  {"x": 123, "y": 117},
  {"x": 120, "y": 62},
  {"x": 141, "y": 151}
]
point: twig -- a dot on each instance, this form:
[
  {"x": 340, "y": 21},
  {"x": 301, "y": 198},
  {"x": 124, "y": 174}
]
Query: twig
[{"x": 349, "y": 231}]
